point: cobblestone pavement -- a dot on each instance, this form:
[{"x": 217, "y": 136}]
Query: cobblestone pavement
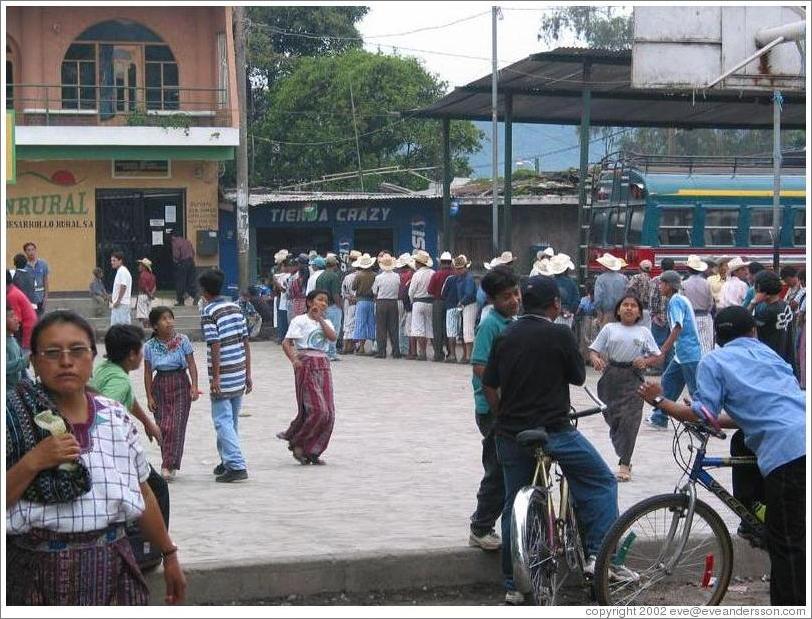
[{"x": 402, "y": 468}]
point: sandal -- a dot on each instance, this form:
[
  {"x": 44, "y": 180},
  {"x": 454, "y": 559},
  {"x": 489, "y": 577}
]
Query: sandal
[
  {"x": 316, "y": 460},
  {"x": 300, "y": 457},
  {"x": 624, "y": 473}
]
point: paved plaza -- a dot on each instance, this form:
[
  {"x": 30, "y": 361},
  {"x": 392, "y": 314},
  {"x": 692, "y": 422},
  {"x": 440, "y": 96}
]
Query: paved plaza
[{"x": 402, "y": 468}]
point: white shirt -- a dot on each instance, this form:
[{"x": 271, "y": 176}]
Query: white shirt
[
  {"x": 311, "y": 281},
  {"x": 419, "y": 286},
  {"x": 307, "y": 333},
  {"x": 117, "y": 468},
  {"x": 386, "y": 286},
  {"x": 346, "y": 286},
  {"x": 733, "y": 292},
  {"x": 123, "y": 278},
  {"x": 282, "y": 282}
]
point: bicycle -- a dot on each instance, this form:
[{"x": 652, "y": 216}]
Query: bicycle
[
  {"x": 678, "y": 545},
  {"x": 544, "y": 533}
]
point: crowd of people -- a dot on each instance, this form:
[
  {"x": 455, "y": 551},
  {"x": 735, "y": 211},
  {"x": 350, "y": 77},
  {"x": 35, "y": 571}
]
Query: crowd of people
[{"x": 527, "y": 338}]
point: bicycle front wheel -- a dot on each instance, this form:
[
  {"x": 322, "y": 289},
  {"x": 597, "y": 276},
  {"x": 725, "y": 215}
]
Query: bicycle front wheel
[
  {"x": 535, "y": 565},
  {"x": 643, "y": 560}
]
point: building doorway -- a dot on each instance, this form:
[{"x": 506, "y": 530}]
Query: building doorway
[
  {"x": 136, "y": 223},
  {"x": 295, "y": 240},
  {"x": 374, "y": 240}
]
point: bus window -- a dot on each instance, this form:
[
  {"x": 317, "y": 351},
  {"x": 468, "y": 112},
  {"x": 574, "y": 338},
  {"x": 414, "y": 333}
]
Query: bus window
[
  {"x": 598, "y": 227},
  {"x": 761, "y": 226},
  {"x": 617, "y": 226},
  {"x": 721, "y": 225},
  {"x": 635, "y": 234},
  {"x": 799, "y": 229},
  {"x": 676, "y": 225}
]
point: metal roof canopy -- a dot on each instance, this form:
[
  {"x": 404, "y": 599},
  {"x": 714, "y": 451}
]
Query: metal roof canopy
[{"x": 547, "y": 88}]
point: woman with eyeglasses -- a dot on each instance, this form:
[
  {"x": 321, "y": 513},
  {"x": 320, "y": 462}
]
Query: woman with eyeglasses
[{"x": 77, "y": 473}]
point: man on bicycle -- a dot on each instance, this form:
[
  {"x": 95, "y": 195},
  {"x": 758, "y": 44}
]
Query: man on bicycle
[
  {"x": 761, "y": 395},
  {"x": 526, "y": 382}
]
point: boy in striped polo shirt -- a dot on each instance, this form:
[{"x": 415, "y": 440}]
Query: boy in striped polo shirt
[{"x": 229, "y": 363}]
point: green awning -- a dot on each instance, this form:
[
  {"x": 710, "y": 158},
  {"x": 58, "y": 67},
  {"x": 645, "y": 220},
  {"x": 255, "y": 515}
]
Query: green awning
[{"x": 140, "y": 153}]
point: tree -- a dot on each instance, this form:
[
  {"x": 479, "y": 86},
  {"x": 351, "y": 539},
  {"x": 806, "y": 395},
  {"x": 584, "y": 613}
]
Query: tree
[
  {"x": 309, "y": 127},
  {"x": 596, "y": 26}
]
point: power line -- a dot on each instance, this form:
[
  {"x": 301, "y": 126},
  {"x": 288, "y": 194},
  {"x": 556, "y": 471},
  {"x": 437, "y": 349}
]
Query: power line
[{"x": 338, "y": 141}]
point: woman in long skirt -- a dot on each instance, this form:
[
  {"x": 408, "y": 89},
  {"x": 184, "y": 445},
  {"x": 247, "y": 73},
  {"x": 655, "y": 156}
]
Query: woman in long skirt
[
  {"x": 170, "y": 392},
  {"x": 306, "y": 345},
  {"x": 621, "y": 351}
]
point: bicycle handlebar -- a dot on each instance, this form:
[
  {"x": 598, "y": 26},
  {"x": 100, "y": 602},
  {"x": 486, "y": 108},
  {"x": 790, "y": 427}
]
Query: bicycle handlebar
[{"x": 600, "y": 408}]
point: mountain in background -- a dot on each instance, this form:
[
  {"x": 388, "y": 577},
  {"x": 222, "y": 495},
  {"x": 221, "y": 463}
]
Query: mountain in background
[{"x": 555, "y": 145}]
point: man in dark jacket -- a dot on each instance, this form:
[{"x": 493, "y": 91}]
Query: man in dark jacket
[{"x": 23, "y": 277}]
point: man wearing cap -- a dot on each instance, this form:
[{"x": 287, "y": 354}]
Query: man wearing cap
[
  {"x": 640, "y": 286},
  {"x": 438, "y": 305},
  {"x": 526, "y": 384},
  {"x": 386, "y": 289},
  {"x": 610, "y": 286},
  {"x": 317, "y": 265},
  {"x": 698, "y": 291},
  {"x": 759, "y": 394},
  {"x": 658, "y": 308},
  {"x": 330, "y": 282},
  {"x": 348, "y": 294},
  {"x": 684, "y": 339},
  {"x": 422, "y": 328},
  {"x": 735, "y": 287}
]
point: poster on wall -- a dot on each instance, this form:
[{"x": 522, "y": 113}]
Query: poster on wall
[
  {"x": 157, "y": 237},
  {"x": 156, "y": 223},
  {"x": 169, "y": 213}
]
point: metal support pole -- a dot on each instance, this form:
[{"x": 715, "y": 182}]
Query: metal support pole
[
  {"x": 506, "y": 226},
  {"x": 494, "y": 138},
  {"x": 581, "y": 259},
  {"x": 243, "y": 239},
  {"x": 447, "y": 184},
  {"x": 777, "y": 100},
  {"x": 357, "y": 143}
]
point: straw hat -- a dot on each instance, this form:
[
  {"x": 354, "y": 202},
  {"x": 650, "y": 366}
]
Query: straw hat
[
  {"x": 146, "y": 262},
  {"x": 364, "y": 262},
  {"x": 386, "y": 262},
  {"x": 354, "y": 255},
  {"x": 461, "y": 262},
  {"x": 281, "y": 256},
  {"x": 735, "y": 264},
  {"x": 560, "y": 263},
  {"x": 404, "y": 260},
  {"x": 493, "y": 263},
  {"x": 645, "y": 265},
  {"x": 613, "y": 263},
  {"x": 695, "y": 263},
  {"x": 507, "y": 257},
  {"x": 540, "y": 267},
  {"x": 422, "y": 257}
]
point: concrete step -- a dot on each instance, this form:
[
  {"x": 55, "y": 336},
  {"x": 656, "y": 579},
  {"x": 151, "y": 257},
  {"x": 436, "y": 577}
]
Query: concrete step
[{"x": 86, "y": 306}]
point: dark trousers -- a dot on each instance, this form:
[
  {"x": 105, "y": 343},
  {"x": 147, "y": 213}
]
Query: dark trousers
[
  {"x": 386, "y": 323},
  {"x": 748, "y": 484},
  {"x": 185, "y": 279},
  {"x": 438, "y": 324},
  {"x": 281, "y": 324},
  {"x": 491, "y": 496},
  {"x": 786, "y": 533}
]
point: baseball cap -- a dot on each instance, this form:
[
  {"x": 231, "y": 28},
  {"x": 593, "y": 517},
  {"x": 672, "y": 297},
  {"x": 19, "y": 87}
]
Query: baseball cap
[
  {"x": 732, "y": 322},
  {"x": 539, "y": 291}
]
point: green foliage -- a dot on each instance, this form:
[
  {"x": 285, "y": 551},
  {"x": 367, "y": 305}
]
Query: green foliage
[
  {"x": 140, "y": 118},
  {"x": 595, "y": 26},
  {"x": 312, "y": 105}
]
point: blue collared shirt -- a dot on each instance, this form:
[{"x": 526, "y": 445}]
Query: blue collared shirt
[{"x": 759, "y": 391}]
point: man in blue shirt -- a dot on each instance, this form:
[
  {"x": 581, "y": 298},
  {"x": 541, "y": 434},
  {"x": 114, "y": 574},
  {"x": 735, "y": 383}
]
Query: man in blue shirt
[
  {"x": 684, "y": 337},
  {"x": 39, "y": 268},
  {"x": 502, "y": 288},
  {"x": 760, "y": 395}
]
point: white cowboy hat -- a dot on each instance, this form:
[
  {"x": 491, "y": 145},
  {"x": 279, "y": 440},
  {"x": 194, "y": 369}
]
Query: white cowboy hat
[
  {"x": 560, "y": 263},
  {"x": 386, "y": 262},
  {"x": 422, "y": 257},
  {"x": 613, "y": 263},
  {"x": 735, "y": 264},
  {"x": 540, "y": 267},
  {"x": 645, "y": 265},
  {"x": 354, "y": 255},
  {"x": 507, "y": 257},
  {"x": 549, "y": 252},
  {"x": 146, "y": 262},
  {"x": 445, "y": 256},
  {"x": 695, "y": 263},
  {"x": 364, "y": 262},
  {"x": 461, "y": 262},
  {"x": 281, "y": 256},
  {"x": 493, "y": 263},
  {"x": 404, "y": 260}
]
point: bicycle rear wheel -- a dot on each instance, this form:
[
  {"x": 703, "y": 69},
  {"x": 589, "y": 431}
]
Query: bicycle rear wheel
[
  {"x": 645, "y": 540},
  {"x": 540, "y": 551}
]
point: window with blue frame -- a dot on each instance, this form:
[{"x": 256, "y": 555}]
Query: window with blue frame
[
  {"x": 676, "y": 225},
  {"x": 636, "y": 218},
  {"x": 799, "y": 228},
  {"x": 761, "y": 226},
  {"x": 721, "y": 226}
]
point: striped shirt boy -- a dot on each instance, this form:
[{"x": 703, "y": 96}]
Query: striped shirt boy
[{"x": 224, "y": 323}]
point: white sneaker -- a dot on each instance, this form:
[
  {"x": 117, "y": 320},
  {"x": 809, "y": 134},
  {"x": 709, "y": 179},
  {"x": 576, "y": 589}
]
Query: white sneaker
[
  {"x": 489, "y": 541},
  {"x": 589, "y": 566},
  {"x": 514, "y": 598},
  {"x": 617, "y": 573}
]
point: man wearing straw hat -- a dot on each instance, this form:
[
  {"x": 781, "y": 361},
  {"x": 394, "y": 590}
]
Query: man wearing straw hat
[
  {"x": 330, "y": 282},
  {"x": 438, "y": 308},
  {"x": 348, "y": 294},
  {"x": 422, "y": 328},
  {"x": 735, "y": 287},
  {"x": 698, "y": 291},
  {"x": 405, "y": 268},
  {"x": 386, "y": 289},
  {"x": 466, "y": 299},
  {"x": 610, "y": 286},
  {"x": 146, "y": 291},
  {"x": 557, "y": 267},
  {"x": 280, "y": 288}
]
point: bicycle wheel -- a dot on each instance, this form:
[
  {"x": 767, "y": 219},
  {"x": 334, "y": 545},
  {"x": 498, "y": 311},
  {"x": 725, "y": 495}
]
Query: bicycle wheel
[
  {"x": 540, "y": 552},
  {"x": 573, "y": 544},
  {"x": 646, "y": 539}
]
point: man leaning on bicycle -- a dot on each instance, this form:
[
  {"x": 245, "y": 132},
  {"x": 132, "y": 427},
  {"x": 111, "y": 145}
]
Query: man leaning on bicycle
[
  {"x": 527, "y": 383},
  {"x": 762, "y": 397}
]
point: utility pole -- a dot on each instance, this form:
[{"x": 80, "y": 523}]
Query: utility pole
[
  {"x": 357, "y": 144},
  {"x": 243, "y": 241},
  {"x": 495, "y": 12},
  {"x": 777, "y": 101}
]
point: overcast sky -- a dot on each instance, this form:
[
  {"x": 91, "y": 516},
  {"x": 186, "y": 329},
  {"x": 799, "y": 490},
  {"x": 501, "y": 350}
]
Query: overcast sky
[{"x": 516, "y": 34}]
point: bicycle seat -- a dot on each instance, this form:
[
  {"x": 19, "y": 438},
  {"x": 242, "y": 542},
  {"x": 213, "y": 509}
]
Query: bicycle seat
[{"x": 532, "y": 438}]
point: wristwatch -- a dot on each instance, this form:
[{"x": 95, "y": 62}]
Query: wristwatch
[{"x": 658, "y": 400}]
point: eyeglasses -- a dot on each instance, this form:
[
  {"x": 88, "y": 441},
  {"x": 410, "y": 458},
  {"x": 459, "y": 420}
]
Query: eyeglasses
[{"x": 74, "y": 352}]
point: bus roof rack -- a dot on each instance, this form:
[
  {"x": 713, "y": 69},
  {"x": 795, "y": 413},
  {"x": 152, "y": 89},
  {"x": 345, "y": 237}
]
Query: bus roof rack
[{"x": 794, "y": 159}]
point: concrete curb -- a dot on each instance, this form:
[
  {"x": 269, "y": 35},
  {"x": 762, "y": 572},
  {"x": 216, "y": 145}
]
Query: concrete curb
[{"x": 212, "y": 582}]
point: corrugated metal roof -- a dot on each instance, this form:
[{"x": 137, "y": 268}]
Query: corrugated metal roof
[{"x": 257, "y": 199}]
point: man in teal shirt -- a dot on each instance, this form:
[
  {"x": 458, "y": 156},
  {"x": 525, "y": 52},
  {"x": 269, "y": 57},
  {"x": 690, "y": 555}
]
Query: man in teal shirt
[{"x": 502, "y": 289}]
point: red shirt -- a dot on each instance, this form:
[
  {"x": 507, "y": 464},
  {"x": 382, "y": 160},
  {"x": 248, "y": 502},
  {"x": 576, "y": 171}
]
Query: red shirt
[
  {"x": 182, "y": 249},
  {"x": 146, "y": 283},
  {"x": 437, "y": 281},
  {"x": 17, "y": 300}
]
